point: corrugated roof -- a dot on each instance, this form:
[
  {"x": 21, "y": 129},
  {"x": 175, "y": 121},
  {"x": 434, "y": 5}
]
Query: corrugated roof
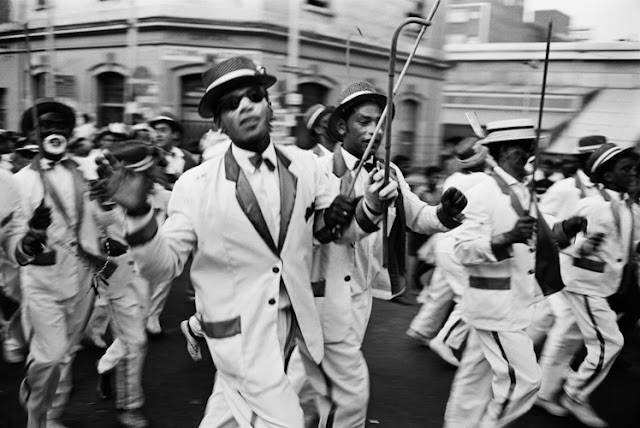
[{"x": 614, "y": 113}]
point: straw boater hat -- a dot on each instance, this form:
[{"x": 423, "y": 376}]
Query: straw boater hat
[
  {"x": 169, "y": 119},
  {"x": 509, "y": 130},
  {"x": 313, "y": 115},
  {"x": 590, "y": 143},
  {"x": 470, "y": 153},
  {"x": 47, "y": 106},
  {"x": 604, "y": 155},
  {"x": 354, "y": 94},
  {"x": 228, "y": 75}
]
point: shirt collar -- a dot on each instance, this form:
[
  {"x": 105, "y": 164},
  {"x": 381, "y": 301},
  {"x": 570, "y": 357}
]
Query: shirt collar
[
  {"x": 616, "y": 196},
  {"x": 176, "y": 152},
  {"x": 242, "y": 156},
  {"x": 584, "y": 178},
  {"x": 46, "y": 164},
  {"x": 350, "y": 160}
]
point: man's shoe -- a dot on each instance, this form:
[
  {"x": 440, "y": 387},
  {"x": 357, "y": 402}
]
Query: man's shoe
[
  {"x": 193, "y": 347},
  {"x": 551, "y": 406},
  {"x": 417, "y": 337},
  {"x": 153, "y": 326},
  {"x": 583, "y": 412},
  {"x": 444, "y": 351},
  {"x": 132, "y": 419}
]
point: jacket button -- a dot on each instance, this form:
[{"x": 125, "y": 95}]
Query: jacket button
[
  {"x": 531, "y": 272},
  {"x": 275, "y": 269},
  {"x": 73, "y": 243},
  {"x": 272, "y": 301},
  {"x": 347, "y": 278},
  {"x": 619, "y": 260}
]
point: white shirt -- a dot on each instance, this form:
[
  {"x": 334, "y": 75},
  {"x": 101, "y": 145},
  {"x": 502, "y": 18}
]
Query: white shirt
[{"x": 264, "y": 183}]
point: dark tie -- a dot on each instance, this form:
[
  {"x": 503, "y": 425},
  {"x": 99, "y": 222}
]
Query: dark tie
[{"x": 257, "y": 160}]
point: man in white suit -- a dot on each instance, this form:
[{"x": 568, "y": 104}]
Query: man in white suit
[{"x": 247, "y": 218}]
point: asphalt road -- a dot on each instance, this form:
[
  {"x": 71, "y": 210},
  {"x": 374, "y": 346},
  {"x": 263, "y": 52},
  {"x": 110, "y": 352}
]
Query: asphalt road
[{"x": 409, "y": 384}]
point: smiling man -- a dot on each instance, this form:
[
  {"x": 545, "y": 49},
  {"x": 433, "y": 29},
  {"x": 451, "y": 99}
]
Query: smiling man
[{"x": 246, "y": 216}]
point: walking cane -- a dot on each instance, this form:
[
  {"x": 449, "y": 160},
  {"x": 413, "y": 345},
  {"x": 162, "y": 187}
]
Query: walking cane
[{"x": 392, "y": 90}]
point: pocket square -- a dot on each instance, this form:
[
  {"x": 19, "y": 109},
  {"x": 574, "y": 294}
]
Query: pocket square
[{"x": 309, "y": 211}]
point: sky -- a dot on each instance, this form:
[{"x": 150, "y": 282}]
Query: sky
[{"x": 608, "y": 19}]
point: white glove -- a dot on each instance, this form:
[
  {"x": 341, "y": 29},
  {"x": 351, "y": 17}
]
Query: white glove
[{"x": 375, "y": 193}]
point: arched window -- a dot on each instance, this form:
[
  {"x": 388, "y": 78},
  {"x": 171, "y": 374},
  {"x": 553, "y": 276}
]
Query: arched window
[
  {"x": 407, "y": 117},
  {"x": 191, "y": 90},
  {"x": 110, "y": 98}
]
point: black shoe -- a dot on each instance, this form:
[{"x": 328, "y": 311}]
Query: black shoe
[{"x": 105, "y": 390}]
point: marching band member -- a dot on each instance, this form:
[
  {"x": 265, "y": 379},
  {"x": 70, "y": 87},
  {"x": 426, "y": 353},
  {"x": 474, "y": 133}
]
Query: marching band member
[
  {"x": 247, "y": 218},
  {"x": 345, "y": 275},
  {"x": 595, "y": 267}
]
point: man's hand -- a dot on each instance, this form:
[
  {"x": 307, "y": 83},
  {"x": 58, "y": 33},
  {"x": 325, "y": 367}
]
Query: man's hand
[
  {"x": 34, "y": 242},
  {"x": 127, "y": 188},
  {"x": 592, "y": 244},
  {"x": 375, "y": 193},
  {"x": 574, "y": 225},
  {"x": 523, "y": 230},
  {"x": 453, "y": 202},
  {"x": 340, "y": 212},
  {"x": 41, "y": 218}
]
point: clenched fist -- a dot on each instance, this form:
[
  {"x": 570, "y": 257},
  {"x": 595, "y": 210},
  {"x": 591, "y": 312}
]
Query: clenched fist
[
  {"x": 450, "y": 209},
  {"x": 375, "y": 193},
  {"x": 340, "y": 212}
]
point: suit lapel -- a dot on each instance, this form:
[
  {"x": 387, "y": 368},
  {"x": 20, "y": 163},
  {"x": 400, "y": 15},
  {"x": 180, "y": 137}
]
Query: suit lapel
[
  {"x": 247, "y": 199},
  {"x": 341, "y": 170},
  {"x": 288, "y": 186}
]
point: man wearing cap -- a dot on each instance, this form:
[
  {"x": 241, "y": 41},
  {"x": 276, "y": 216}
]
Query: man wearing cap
[
  {"x": 168, "y": 134},
  {"x": 246, "y": 216},
  {"x": 599, "y": 264},
  {"x": 344, "y": 276},
  {"x": 564, "y": 338},
  {"x": 316, "y": 120},
  {"x": 498, "y": 377},
  {"x": 56, "y": 285},
  {"x": 449, "y": 278}
]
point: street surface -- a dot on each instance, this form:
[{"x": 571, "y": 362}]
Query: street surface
[{"x": 409, "y": 384}]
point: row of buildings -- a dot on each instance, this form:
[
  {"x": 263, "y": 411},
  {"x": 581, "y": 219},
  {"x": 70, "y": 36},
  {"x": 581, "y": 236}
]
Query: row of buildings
[{"x": 124, "y": 60}]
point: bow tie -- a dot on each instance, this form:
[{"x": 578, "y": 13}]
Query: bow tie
[
  {"x": 257, "y": 160},
  {"x": 50, "y": 164},
  {"x": 369, "y": 164}
]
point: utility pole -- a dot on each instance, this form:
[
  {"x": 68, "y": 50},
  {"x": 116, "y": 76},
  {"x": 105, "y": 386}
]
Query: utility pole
[{"x": 49, "y": 87}]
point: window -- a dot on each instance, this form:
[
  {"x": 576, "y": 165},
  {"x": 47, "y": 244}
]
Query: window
[
  {"x": 3, "y": 108},
  {"x": 39, "y": 84},
  {"x": 110, "y": 98},
  {"x": 407, "y": 126},
  {"x": 191, "y": 90},
  {"x": 458, "y": 16},
  {"x": 41, "y": 4},
  {"x": 417, "y": 9}
]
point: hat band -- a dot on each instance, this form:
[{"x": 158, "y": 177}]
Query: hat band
[
  {"x": 357, "y": 94},
  {"x": 243, "y": 72},
  {"x": 603, "y": 158},
  {"x": 160, "y": 118},
  {"x": 508, "y": 128},
  {"x": 510, "y": 135},
  {"x": 314, "y": 117}
]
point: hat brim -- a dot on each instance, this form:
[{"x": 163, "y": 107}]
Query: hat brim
[
  {"x": 340, "y": 111},
  {"x": 26, "y": 123},
  {"x": 205, "y": 109},
  {"x": 173, "y": 124},
  {"x": 509, "y": 136}
]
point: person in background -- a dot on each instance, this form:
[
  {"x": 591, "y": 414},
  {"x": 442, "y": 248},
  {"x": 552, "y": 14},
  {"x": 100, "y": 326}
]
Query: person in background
[{"x": 316, "y": 120}]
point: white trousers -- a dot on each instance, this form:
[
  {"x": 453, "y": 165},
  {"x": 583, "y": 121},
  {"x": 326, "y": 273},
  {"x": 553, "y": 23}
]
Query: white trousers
[
  {"x": 602, "y": 337},
  {"x": 339, "y": 386},
  {"x": 158, "y": 299},
  {"x": 277, "y": 407},
  {"x": 497, "y": 380},
  {"x": 563, "y": 341},
  {"x": 53, "y": 328}
]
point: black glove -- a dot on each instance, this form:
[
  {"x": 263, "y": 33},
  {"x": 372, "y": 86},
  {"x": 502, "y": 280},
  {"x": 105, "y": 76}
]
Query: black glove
[
  {"x": 453, "y": 202},
  {"x": 572, "y": 226},
  {"x": 340, "y": 212},
  {"x": 113, "y": 247},
  {"x": 41, "y": 218},
  {"x": 523, "y": 230},
  {"x": 33, "y": 242}
]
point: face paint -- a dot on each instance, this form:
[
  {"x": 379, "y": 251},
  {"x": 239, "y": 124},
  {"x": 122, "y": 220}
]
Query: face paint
[{"x": 54, "y": 144}]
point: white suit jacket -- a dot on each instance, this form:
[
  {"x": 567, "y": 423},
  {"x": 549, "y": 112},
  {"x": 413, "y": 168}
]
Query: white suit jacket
[
  {"x": 341, "y": 271},
  {"x": 237, "y": 268}
]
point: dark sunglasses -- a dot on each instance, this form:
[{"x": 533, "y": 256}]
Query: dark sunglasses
[{"x": 231, "y": 102}]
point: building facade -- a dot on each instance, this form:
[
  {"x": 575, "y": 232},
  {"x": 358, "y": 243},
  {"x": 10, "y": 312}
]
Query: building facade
[{"x": 126, "y": 60}]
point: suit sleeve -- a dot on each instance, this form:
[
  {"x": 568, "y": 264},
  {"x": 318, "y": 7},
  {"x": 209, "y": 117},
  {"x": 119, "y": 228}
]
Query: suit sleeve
[
  {"x": 473, "y": 237},
  {"x": 13, "y": 224},
  {"x": 421, "y": 217},
  {"x": 162, "y": 253}
]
